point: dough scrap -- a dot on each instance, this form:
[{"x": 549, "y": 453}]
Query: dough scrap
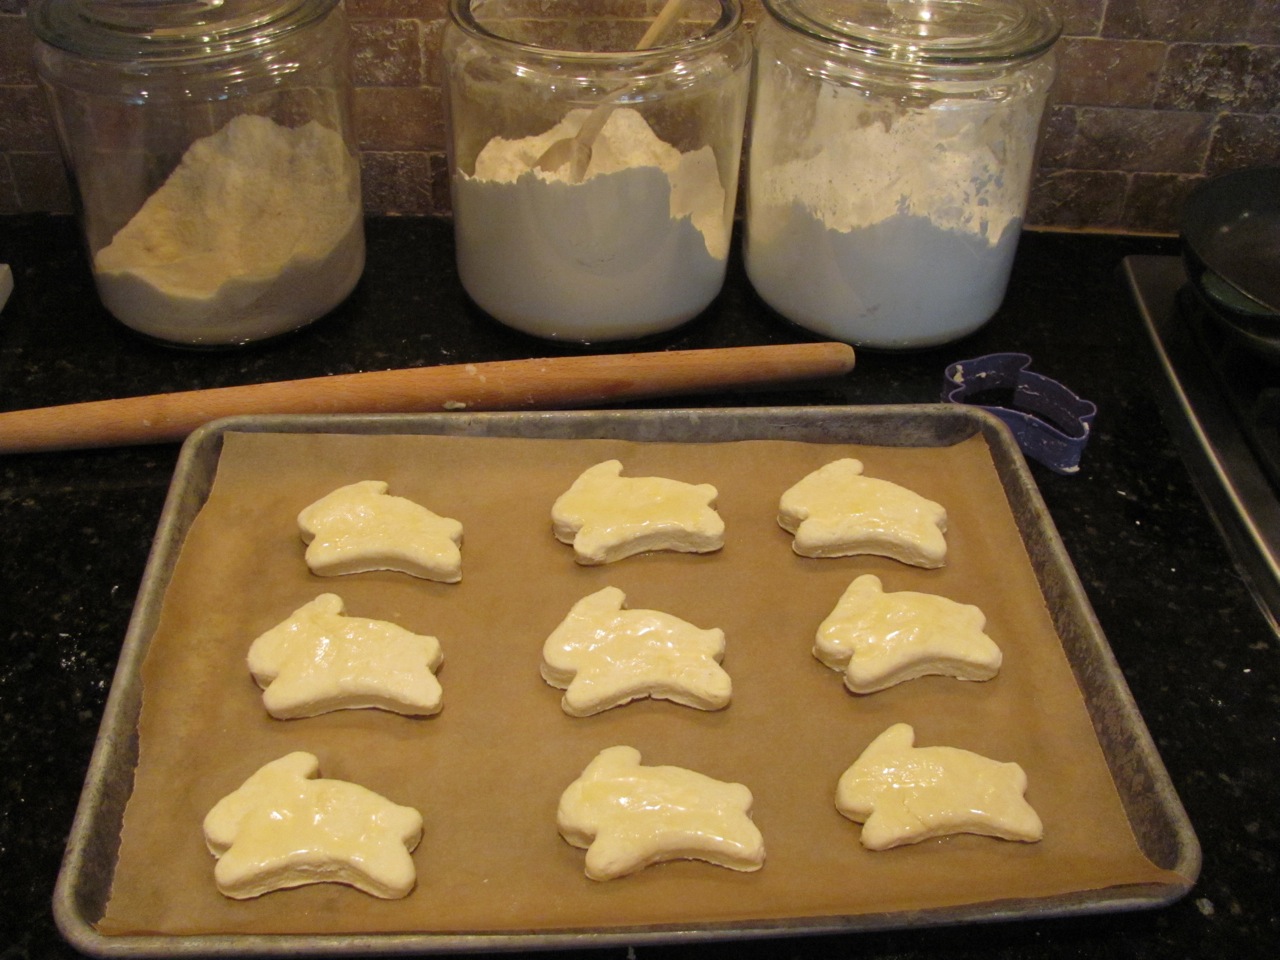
[
  {"x": 359, "y": 527},
  {"x": 317, "y": 661},
  {"x": 881, "y": 639},
  {"x": 284, "y": 827},
  {"x": 603, "y": 656},
  {"x": 607, "y": 517},
  {"x": 904, "y": 794},
  {"x": 628, "y": 817},
  {"x": 835, "y": 511}
]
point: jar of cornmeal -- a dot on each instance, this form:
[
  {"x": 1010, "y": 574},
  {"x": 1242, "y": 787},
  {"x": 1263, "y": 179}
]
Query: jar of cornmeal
[
  {"x": 211, "y": 152},
  {"x": 891, "y": 154},
  {"x": 594, "y": 160}
]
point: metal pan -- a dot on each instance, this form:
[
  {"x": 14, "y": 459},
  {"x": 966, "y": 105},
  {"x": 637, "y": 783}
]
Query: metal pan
[
  {"x": 1152, "y": 808},
  {"x": 1231, "y": 245}
]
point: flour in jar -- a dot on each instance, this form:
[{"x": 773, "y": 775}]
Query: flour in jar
[
  {"x": 900, "y": 230},
  {"x": 638, "y": 247},
  {"x": 258, "y": 231}
]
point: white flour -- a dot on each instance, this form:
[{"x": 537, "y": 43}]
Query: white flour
[
  {"x": 638, "y": 247},
  {"x": 258, "y": 231},
  {"x": 896, "y": 233}
]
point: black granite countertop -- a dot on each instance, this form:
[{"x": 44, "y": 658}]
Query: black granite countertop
[{"x": 1201, "y": 660}]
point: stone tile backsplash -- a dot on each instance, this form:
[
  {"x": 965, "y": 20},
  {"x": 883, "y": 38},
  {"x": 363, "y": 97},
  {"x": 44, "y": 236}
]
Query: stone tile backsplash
[{"x": 1152, "y": 96}]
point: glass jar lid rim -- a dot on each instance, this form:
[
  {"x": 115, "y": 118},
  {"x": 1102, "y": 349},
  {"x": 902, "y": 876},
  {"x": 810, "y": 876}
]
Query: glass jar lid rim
[
  {"x": 927, "y": 32},
  {"x": 173, "y": 30},
  {"x": 730, "y": 18}
]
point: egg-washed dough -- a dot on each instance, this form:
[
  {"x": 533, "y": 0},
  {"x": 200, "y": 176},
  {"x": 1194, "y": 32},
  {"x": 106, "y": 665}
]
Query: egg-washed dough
[
  {"x": 607, "y": 517},
  {"x": 903, "y": 794},
  {"x": 603, "y": 656},
  {"x": 629, "y": 816},
  {"x": 285, "y": 827},
  {"x": 837, "y": 512},
  {"x": 317, "y": 661},
  {"x": 360, "y": 527},
  {"x": 879, "y": 639}
]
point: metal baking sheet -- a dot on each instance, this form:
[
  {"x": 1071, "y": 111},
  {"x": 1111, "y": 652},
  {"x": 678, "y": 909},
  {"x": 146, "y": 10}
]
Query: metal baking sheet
[{"x": 1155, "y": 813}]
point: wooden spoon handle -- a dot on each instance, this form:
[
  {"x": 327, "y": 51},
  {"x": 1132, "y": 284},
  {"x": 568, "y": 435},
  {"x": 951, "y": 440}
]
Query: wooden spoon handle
[
  {"x": 498, "y": 385},
  {"x": 670, "y": 10},
  {"x": 586, "y": 136}
]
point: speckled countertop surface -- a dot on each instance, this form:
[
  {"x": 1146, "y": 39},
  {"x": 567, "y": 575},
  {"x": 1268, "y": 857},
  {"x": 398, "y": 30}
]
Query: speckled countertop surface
[{"x": 1200, "y": 659}]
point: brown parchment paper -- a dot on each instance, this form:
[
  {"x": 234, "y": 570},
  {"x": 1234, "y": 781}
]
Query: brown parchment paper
[{"x": 488, "y": 771}]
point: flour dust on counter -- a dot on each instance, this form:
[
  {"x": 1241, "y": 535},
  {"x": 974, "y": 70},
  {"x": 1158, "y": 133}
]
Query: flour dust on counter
[{"x": 638, "y": 247}]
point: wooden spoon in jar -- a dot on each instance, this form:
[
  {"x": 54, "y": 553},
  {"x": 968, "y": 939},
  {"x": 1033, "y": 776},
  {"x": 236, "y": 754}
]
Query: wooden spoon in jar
[{"x": 576, "y": 150}]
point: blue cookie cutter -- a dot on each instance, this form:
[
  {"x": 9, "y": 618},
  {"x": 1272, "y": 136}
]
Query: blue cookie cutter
[{"x": 1050, "y": 423}]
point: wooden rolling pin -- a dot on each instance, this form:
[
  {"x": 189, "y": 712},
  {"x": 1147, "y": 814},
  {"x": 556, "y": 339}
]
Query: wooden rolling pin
[{"x": 560, "y": 382}]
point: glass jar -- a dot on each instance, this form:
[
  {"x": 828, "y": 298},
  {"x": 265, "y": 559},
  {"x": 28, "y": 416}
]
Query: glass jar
[
  {"x": 892, "y": 148},
  {"x": 634, "y": 240},
  {"x": 212, "y": 156}
]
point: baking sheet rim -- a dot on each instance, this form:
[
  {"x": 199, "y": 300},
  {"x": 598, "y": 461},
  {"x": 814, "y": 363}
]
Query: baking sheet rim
[{"x": 193, "y": 478}]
